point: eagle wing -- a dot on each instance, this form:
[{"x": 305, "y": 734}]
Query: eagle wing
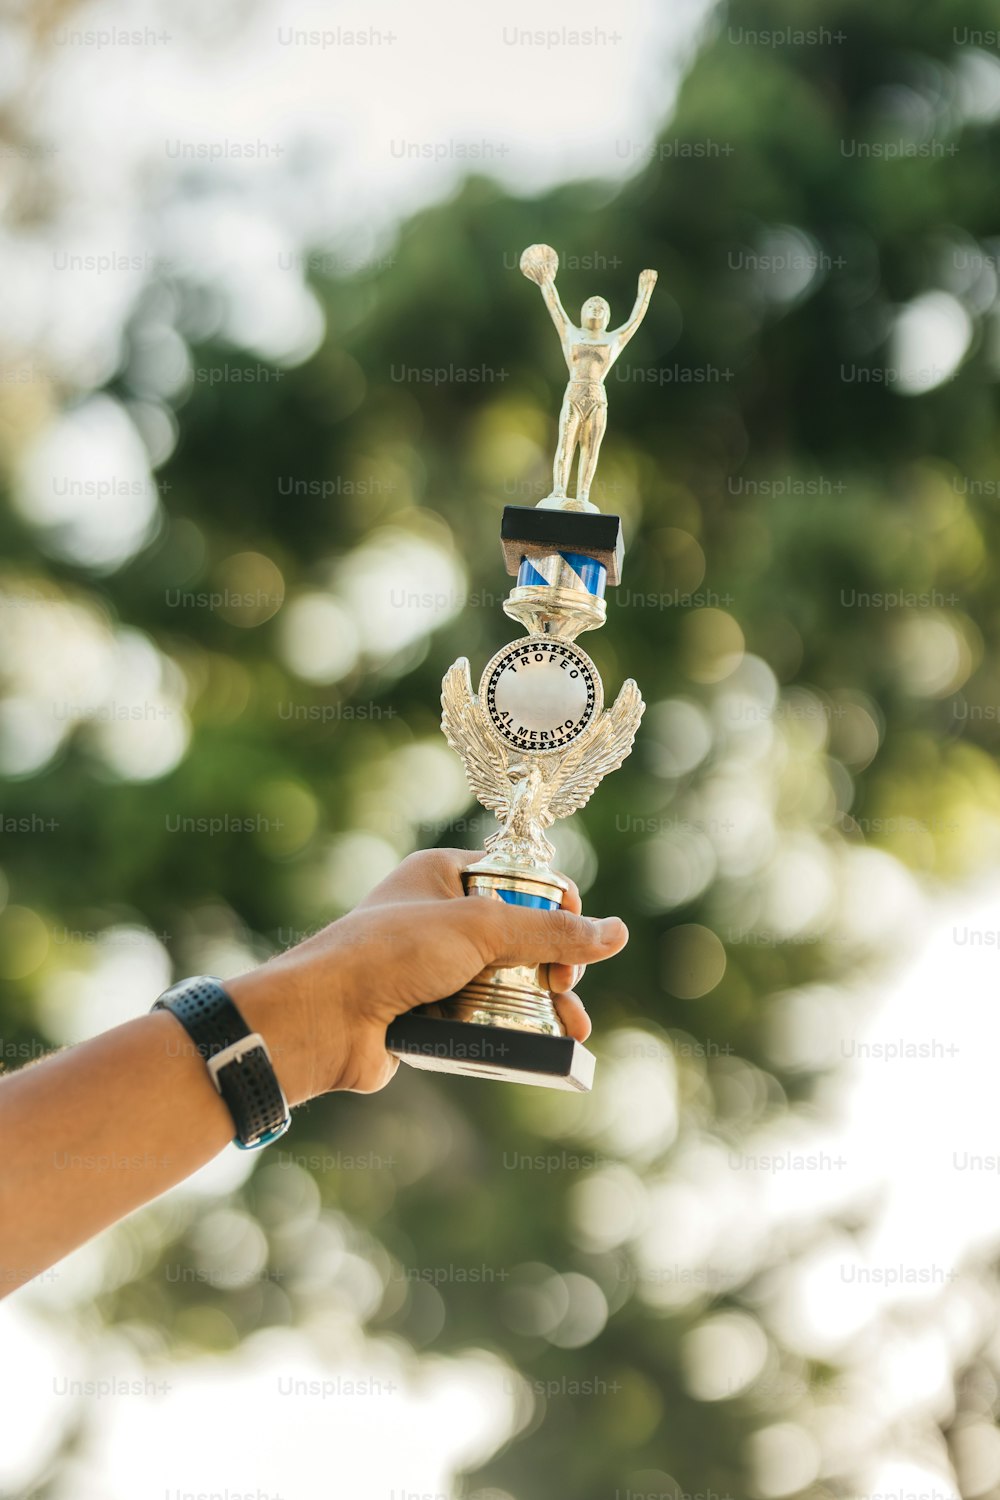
[
  {"x": 465, "y": 727},
  {"x": 597, "y": 752}
]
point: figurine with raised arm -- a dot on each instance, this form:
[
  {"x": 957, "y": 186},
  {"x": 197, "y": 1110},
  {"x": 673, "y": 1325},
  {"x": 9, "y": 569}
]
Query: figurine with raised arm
[{"x": 590, "y": 351}]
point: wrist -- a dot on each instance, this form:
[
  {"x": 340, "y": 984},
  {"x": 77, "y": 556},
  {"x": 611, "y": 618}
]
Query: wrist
[
  {"x": 303, "y": 1024},
  {"x": 269, "y": 1004}
]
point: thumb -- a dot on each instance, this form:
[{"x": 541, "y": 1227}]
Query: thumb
[{"x": 519, "y": 935}]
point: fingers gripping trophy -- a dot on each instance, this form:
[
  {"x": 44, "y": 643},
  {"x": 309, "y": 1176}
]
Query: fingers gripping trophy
[{"x": 536, "y": 739}]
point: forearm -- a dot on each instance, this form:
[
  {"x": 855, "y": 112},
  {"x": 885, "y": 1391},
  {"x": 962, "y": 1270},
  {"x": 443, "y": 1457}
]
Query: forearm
[{"x": 92, "y": 1133}]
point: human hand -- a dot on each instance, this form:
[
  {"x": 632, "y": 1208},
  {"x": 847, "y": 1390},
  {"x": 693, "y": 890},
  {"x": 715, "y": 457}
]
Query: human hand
[
  {"x": 647, "y": 281},
  {"x": 328, "y": 1001}
]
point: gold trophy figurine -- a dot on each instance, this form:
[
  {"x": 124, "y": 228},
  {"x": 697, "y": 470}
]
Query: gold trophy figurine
[
  {"x": 590, "y": 351},
  {"x": 536, "y": 740}
]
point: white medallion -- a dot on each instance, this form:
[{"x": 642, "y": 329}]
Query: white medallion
[{"x": 541, "y": 693}]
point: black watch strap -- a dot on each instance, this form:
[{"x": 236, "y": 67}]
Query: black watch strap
[{"x": 245, "y": 1076}]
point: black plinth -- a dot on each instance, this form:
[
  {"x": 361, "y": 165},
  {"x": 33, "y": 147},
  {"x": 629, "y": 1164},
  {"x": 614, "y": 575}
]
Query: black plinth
[
  {"x": 553, "y": 1062},
  {"x": 527, "y": 531}
]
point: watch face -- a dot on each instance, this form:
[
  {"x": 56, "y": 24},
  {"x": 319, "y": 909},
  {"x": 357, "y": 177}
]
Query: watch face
[{"x": 541, "y": 693}]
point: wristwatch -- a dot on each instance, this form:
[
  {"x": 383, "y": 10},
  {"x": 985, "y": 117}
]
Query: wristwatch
[{"x": 237, "y": 1059}]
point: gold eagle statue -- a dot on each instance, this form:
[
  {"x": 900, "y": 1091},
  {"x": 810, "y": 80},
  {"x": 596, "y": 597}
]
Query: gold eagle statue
[{"x": 529, "y": 790}]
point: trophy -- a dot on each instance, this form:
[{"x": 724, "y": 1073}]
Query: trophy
[{"x": 536, "y": 740}]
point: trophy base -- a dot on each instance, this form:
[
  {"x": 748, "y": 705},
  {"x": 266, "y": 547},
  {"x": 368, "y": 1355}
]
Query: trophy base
[
  {"x": 527, "y": 531},
  {"x": 503, "y": 1023},
  {"x": 500, "y": 1052}
]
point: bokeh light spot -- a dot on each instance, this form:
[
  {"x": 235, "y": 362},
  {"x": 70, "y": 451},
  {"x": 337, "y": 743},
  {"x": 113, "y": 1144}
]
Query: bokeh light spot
[{"x": 693, "y": 961}]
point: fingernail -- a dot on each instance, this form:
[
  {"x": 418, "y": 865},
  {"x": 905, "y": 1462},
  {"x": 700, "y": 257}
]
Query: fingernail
[
  {"x": 610, "y": 928},
  {"x": 577, "y": 976}
]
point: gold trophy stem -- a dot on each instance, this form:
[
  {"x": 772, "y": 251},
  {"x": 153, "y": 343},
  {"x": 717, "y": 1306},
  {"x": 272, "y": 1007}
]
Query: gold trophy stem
[{"x": 515, "y": 996}]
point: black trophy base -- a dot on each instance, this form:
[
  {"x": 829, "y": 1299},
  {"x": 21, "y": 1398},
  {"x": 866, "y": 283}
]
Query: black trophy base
[
  {"x": 550, "y": 1062},
  {"x": 531, "y": 532}
]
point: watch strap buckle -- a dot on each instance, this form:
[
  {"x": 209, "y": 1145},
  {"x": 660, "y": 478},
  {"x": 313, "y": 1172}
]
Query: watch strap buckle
[{"x": 235, "y": 1053}]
